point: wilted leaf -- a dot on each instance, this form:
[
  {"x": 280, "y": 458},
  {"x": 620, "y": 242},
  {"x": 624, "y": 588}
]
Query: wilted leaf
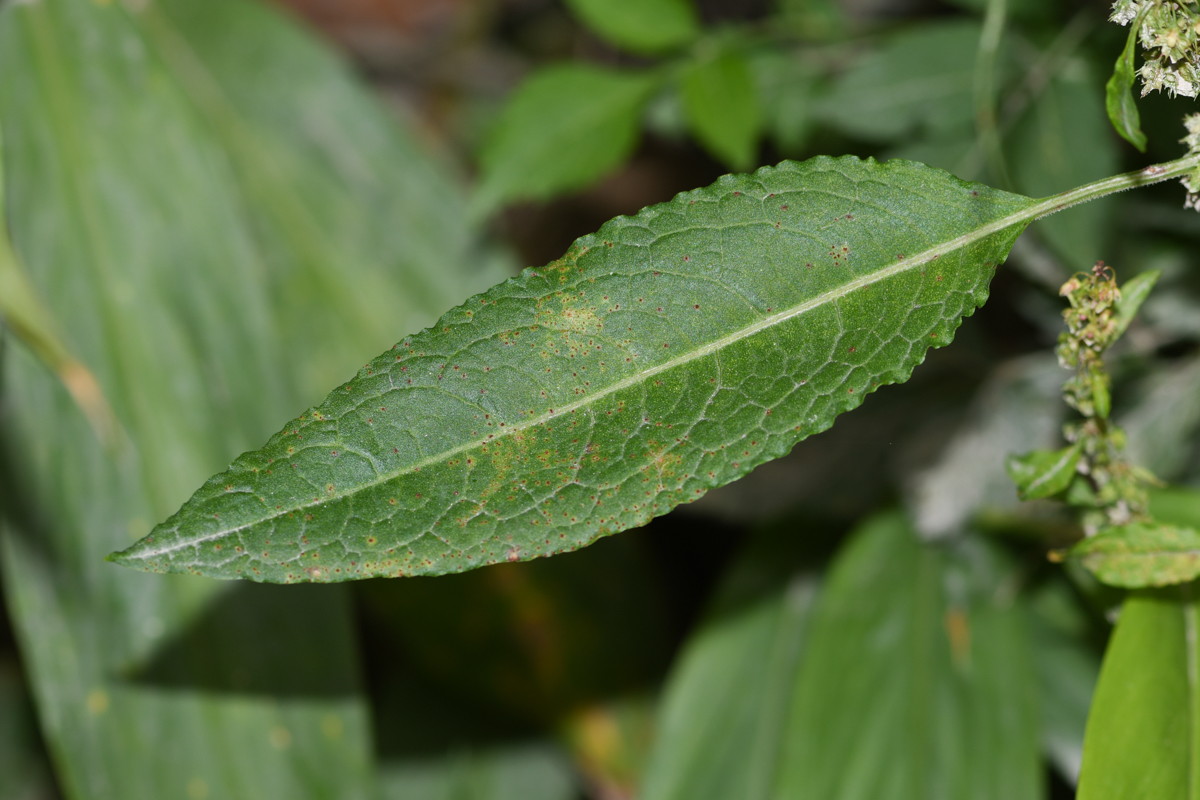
[
  {"x": 662, "y": 356},
  {"x": 1043, "y": 473},
  {"x": 721, "y": 102},
  {"x": 562, "y": 129},
  {"x": 1142, "y": 554},
  {"x": 641, "y": 26}
]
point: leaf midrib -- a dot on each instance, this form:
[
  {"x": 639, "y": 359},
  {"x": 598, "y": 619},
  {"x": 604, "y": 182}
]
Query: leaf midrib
[{"x": 698, "y": 352}]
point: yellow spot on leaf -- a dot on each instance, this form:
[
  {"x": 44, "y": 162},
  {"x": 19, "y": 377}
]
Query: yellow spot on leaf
[
  {"x": 331, "y": 726},
  {"x": 97, "y": 701},
  {"x": 281, "y": 737},
  {"x": 197, "y": 789},
  {"x": 958, "y": 630}
]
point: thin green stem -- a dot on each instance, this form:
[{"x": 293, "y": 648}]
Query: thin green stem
[
  {"x": 1156, "y": 173},
  {"x": 985, "y": 90}
]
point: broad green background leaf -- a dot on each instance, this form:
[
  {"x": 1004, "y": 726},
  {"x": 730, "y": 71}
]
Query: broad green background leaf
[
  {"x": 169, "y": 229},
  {"x": 920, "y": 79},
  {"x": 483, "y": 664},
  {"x": 723, "y": 713},
  {"x": 641, "y": 26},
  {"x": 1141, "y": 554},
  {"x": 916, "y": 679},
  {"x": 720, "y": 101},
  {"x": 1177, "y": 505},
  {"x": 562, "y": 129},
  {"x": 25, "y": 315},
  {"x": 1143, "y": 728},
  {"x": 662, "y": 356},
  {"x": 23, "y": 773},
  {"x": 787, "y": 88},
  {"x": 439, "y": 738},
  {"x": 538, "y": 640},
  {"x": 1161, "y": 422},
  {"x": 1065, "y": 140},
  {"x": 309, "y": 157},
  {"x": 1118, "y": 93},
  {"x": 1067, "y": 668}
]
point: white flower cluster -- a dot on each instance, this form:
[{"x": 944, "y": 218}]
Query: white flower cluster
[{"x": 1170, "y": 38}]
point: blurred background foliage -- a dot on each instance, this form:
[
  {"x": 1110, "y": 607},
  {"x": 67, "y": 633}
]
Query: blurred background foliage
[{"x": 221, "y": 208}]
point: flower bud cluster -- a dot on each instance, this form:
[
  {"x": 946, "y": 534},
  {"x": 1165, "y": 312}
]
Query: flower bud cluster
[
  {"x": 1170, "y": 38},
  {"x": 1091, "y": 328},
  {"x": 1114, "y": 491}
]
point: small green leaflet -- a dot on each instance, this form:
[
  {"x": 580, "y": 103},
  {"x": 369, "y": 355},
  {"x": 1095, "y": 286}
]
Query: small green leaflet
[
  {"x": 1043, "y": 473},
  {"x": 1118, "y": 93},
  {"x": 1142, "y": 554},
  {"x": 665, "y": 355},
  {"x": 1133, "y": 293},
  {"x": 640, "y": 26},
  {"x": 722, "y": 107}
]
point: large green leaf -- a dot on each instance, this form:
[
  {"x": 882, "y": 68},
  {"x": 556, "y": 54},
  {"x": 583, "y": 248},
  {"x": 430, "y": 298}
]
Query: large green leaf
[
  {"x": 562, "y": 129},
  {"x": 1144, "y": 729},
  {"x": 668, "y": 353},
  {"x": 917, "y": 680},
  {"x": 177, "y": 187}
]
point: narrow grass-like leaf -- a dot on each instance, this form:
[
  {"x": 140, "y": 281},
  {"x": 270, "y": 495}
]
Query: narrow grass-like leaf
[
  {"x": 24, "y": 313},
  {"x": 562, "y": 129},
  {"x": 1142, "y": 554},
  {"x": 1143, "y": 733},
  {"x": 721, "y": 103},
  {"x": 667, "y": 354},
  {"x": 1043, "y": 473},
  {"x": 642, "y": 26},
  {"x": 1118, "y": 92}
]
